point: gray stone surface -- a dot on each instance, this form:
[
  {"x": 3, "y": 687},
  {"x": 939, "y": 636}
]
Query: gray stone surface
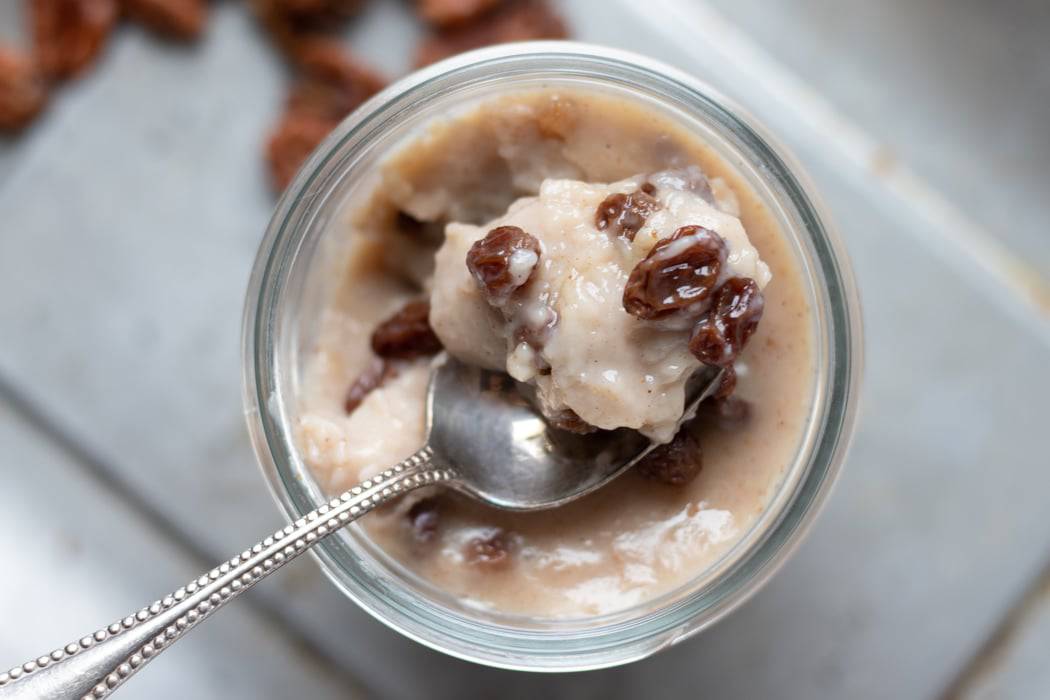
[
  {"x": 1017, "y": 667},
  {"x": 131, "y": 217},
  {"x": 77, "y": 558},
  {"x": 132, "y": 230},
  {"x": 958, "y": 89}
]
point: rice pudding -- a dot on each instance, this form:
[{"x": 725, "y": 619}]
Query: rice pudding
[{"x": 601, "y": 186}]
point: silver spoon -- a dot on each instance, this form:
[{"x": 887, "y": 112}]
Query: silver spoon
[{"x": 483, "y": 439}]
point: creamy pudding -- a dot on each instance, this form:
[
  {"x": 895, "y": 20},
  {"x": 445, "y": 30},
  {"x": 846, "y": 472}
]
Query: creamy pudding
[
  {"x": 611, "y": 196},
  {"x": 558, "y": 313}
]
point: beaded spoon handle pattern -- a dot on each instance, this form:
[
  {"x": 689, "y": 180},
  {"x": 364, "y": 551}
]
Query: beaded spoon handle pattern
[{"x": 95, "y": 665}]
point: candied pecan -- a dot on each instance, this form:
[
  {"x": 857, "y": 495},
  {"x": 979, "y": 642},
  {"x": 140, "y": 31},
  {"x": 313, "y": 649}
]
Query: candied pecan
[
  {"x": 407, "y": 334},
  {"x": 503, "y": 261},
  {"x": 488, "y": 552},
  {"x": 331, "y": 86},
  {"x": 446, "y": 13},
  {"x": 423, "y": 517},
  {"x": 570, "y": 421},
  {"x": 287, "y": 20},
  {"x": 727, "y": 413},
  {"x": 333, "y": 82},
  {"x": 276, "y": 23},
  {"x": 676, "y": 462},
  {"x": 179, "y": 19},
  {"x": 623, "y": 214},
  {"x": 294, "y": 138},
  {"x": 720, "y": 336},
  {"x": 23, "y": 92},
  {"x": 378, "y": 372},
  {"x": 677, "y": 274},
  {"x": 320, "y": 14},
  {"x": 294, "y": 24},
  {"x": 514, "y": 20},
  {"x": 69, "y": 34}
]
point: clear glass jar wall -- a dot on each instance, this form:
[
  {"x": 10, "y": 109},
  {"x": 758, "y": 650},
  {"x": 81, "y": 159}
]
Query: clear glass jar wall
[{"x": 288, "y": 289}]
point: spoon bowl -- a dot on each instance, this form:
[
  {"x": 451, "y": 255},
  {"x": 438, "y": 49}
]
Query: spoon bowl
[{"x": 481, "y": 425}]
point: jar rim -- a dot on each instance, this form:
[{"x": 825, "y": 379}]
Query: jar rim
[{"x": 626, "y": 640}]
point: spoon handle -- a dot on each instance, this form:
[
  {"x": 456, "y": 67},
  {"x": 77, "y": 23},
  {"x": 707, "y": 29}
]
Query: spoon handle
[{"x": 93, "y": 666}]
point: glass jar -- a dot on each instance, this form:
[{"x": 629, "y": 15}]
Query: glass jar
[{"x": 288, "y": 289}]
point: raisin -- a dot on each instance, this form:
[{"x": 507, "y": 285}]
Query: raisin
[
  {"x": 423, "y": 517},
  {"x": 728, "y": 384},
  {"x": 407, "y": 334},
  {"x": 727, "y": 413},
  {"x": 675, "y": 463},
  {"x": 720, "y": 336},
  {"x": 503, "y": 261},
  {"x": 23, "y": 91},
  {"x": 69, "y": 34},
  {"x": 677, "y": 274},
  {"x": 333, "y": 83},
  {"x": 294, "y": 138},
  {"x": 179, "y": 19},
  {"x": 489, "y": 552},
  {"x": 514, "y": 20},
  {"x": 624, "y": 214},
  {"x": 375, "y": 375},
  {"x": 570, "y": 421},
  {"x": 448, "y": 13},
  {"x": 648, "y": 188}
]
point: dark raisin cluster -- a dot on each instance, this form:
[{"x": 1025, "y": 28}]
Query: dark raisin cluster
[
  {"x": 677, "y": 275},
  {"x": 720, "y": 335},
  {"x": 680, "y": 276}
]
